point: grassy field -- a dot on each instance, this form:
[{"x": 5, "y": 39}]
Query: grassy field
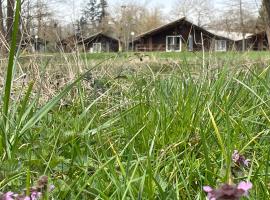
[{"x": 136, "y": 126}]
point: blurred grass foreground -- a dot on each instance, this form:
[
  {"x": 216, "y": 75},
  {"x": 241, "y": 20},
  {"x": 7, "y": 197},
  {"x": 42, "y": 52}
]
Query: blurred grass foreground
[{"x": 134, "y": 126}]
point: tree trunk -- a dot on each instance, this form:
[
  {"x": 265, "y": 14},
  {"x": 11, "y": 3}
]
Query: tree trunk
[
  {"x": 267, "y": 10},
  {"x": 268, "y": 35},
  {"x": 10, "y": 17},
  {"x": 2, "y": 29}
]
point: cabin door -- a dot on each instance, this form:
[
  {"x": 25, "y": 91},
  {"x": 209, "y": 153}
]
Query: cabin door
[{"x": 173, "y": 43}]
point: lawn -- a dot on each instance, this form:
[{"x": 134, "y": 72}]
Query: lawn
[{"x": 137, "y": 126}]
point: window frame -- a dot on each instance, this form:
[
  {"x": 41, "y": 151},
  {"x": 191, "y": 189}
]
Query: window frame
[
  {"x": 97, "y": 44},
  {"x": 217, "y": 43},
  {"x": 174, "y": 36}
]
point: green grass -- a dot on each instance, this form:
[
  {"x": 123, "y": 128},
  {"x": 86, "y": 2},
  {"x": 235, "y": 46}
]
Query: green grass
[
  {"x": 129, "y": 126},
  {"x": 149, "y": 134},
  {"x": 252, "y": 55}
]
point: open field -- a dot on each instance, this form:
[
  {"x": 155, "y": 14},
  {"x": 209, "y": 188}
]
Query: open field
[{"x": 137, "y": 126}]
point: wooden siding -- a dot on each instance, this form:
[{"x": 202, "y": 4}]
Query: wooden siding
[
  {"x": 156, "y": 40},
  {"x": 108, "y": 44}
]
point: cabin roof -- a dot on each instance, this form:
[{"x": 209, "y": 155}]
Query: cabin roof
[
  {"x": 235, "y": 36},
  {"x": 98, "y": 34},
  {"x": 175, "y": 23}
]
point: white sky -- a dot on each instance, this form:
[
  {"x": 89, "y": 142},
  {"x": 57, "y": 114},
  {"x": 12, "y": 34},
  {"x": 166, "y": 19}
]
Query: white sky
[{"x": 70, "y": 10}]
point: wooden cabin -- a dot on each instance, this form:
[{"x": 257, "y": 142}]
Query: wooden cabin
[
  {"x": 178, "y": 36},
  {"x": 100, "y": 42}
]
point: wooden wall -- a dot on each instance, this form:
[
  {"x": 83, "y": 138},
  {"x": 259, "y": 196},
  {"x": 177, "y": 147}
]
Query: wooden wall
[{"x": 157, "y": 41}]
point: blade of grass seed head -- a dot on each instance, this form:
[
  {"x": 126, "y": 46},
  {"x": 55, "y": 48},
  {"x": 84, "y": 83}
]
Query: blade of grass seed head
[{"x": 8, "y": 83}]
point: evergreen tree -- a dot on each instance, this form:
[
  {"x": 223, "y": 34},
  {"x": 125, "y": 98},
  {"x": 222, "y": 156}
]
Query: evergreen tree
[{"x": 95, "y": 11}]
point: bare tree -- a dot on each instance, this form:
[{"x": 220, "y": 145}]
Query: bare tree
[
  {"x": 134, "y": 17},
  {"x": 9, "y": 20},
  {"x": 267, "y": 8},
  {"x": 266, "y": 18},
  {"x": 2, "y": 27},
  {"x": 198, "y": 11}
]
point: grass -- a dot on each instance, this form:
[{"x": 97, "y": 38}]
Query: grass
[
  {"x": 146, "y": 135},
  {"x": 121, "y": 128}
]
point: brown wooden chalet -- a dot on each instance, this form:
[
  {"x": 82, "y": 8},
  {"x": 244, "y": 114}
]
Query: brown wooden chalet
[
  {"x": 180, "y": 35},
  {"x": 100, "y": 42}
]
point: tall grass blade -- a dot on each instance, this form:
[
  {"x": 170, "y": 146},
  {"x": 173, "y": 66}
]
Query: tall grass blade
[{"x": 11, "y": 60}]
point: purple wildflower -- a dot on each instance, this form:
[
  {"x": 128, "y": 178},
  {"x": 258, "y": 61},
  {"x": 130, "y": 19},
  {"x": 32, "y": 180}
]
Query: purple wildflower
[
  {"x": 228, "y": 192},
  {"x": 51, "y": 188},
  {"x": 245, "y": 186},
  {"x": 239, "y": 159},
  {"x": 7, "y": 196},
  {"x": 35, "y": 192}
]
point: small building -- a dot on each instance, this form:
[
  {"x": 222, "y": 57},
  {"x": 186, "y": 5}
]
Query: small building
[
  {"x": 100, "y": 42},
  {"x": 180, "y": 35},
  {"x": 34, "y": 44}
]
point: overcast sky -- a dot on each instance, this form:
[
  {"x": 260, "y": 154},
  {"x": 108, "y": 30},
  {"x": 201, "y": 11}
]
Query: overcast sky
[{"x": 70, "y": 11}]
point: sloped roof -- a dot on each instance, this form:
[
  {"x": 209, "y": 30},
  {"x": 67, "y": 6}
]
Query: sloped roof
[
  {"x": 100, "y": 33},
  {"x": 236, "y": 36},
  {"x": 174, "y": 23},
  {"x": 157, "y": 29}
]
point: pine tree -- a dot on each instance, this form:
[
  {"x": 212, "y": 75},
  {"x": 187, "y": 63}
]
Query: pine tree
[{"x": 95, "y": 11}]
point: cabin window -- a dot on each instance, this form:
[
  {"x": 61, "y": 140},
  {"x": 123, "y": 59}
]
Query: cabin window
[
  {"x": 173, "y": 43},
  {"x": 221, "y": 45},
  {"x": 96, "y": 47}
]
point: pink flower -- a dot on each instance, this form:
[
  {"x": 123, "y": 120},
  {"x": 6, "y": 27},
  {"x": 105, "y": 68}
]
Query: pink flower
[
  {"x": 239, "y": 159},
  {"x": 229, "y": 192},
  {"x": 7, "y": 196},
  {"x": 245, "y": 186}
]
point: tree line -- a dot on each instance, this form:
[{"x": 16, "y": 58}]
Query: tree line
[{"x": 37, "y": 18}]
